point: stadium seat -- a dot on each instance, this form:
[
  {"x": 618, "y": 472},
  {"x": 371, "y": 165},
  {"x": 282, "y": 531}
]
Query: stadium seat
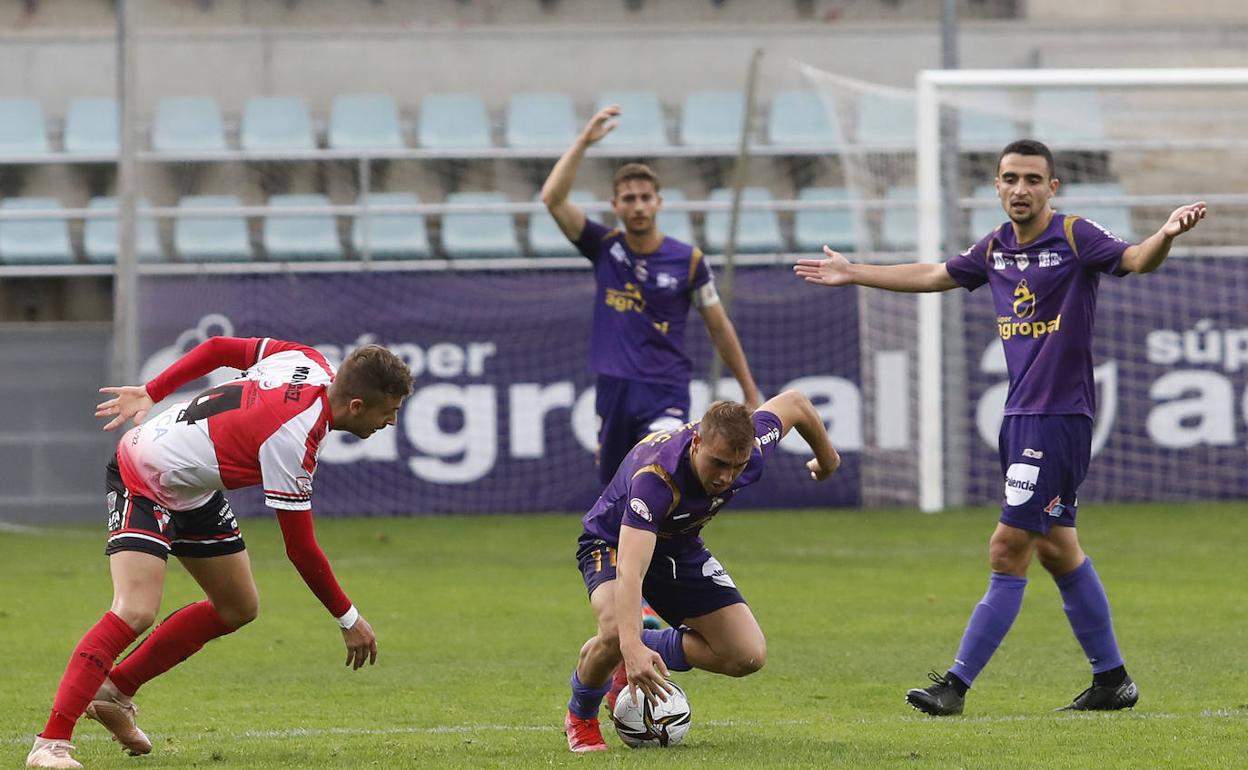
[
  {"x": 802, "y": 119},
  {"x": 23, "y": 130},
  {"x": 188, "y": 124},
  {"x": 99, "y": 236},
  {"x": 641, "y": 120},
  {"x": 986, "y": 124},
  {"x": 758, "y": 230},
  {"x": 540, "y": 120},
  {"x": 712, "y": 119},
  {"x": 675, "y": 224},
  {"x": 545, "y": 237},
  {"x": 812, "y": 228},
  {"x": 391, "y": 236},
  {"x": 887, "y": 122},
  {"x": 478, "y": 235},
  {"x": 303, "y": 237},
  {"x": 900, "y": 231},
  {"x": 453, "y": 122},
  {"x": 985, "y": 219},
  {"x": 211, "y": 239},
  {"x": 34, "y": 241},
  {"x": 276, "y": 123},
  {"x": 365, "y": 122},
  {"x": 1069, "y": 117},
  {"x": 1113, "y": 216},
  {"x": 91, "y": 127}
]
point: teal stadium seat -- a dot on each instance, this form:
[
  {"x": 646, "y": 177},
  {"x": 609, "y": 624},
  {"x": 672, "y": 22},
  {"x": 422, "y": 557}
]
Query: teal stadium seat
[
  {"x": 470, "y": 236},
  {"x": 675, "y": 224},
  {"x": 91, "y": 127},
  {"x": 300, "y": 238},
  {"x": 802, "y": 119},
  {"x": 188, "y": 124},
  {"x": 641, "y": 120},
  {"x": 812, "y": 228},
  {"x": 1066, "y": 117},
  {"x": 365, "y": 122},
  {"x": 758, "y": 230},
  {"x": 985, "y": 219},
  {"x": 99, "y": 236},
  {"x": 541, "y": 121},
  {"x": 391, "y": 236},
  {"x": 712, "y": 119},
  {"x": 545, "y": 237},
  {"x": 986, "y": 124},
  {"x": 23, "y": 130},
  {"x": 34, "y": 241},
  {"x": 211, "y": 239},
  {"x": 887, "y": 122},
  {"x": 900, "y": 231},
  {"x": 453, "y": 122},
  {"x": 1113, "y": 216},
  {"x": 275, "y": 123}
]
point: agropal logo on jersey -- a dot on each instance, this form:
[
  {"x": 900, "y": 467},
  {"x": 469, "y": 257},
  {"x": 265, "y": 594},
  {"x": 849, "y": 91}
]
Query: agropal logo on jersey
[{"x": 1020, "y": 324}]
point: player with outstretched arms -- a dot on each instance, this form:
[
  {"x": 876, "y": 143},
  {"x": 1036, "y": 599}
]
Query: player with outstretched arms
[
  {"x": 643, "y": 538},
  {"x": 1043, "y": 269},
  {"x": 164, "y": 494}
]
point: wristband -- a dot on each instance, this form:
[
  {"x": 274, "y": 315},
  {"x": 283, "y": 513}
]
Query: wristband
[{"x": 348, "y": 618}]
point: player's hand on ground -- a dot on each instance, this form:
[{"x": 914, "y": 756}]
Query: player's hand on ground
[
  {"x": 1184, "y": 218},
  {"x": 361, "y": 644},
  {"x": 602, "y": 123},
  {"x": 128, "y": 402},
  {"x": 818, "y": 472},
  {"x": 831, "y": 271},
  {"x": 647, "y": 674}
]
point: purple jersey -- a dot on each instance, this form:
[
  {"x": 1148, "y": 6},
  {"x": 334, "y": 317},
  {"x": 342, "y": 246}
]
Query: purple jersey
[
  {"x": 642, "y": 305},
  {"x": 1045, "y": 296},
  {"x": 656, "y": 488}
]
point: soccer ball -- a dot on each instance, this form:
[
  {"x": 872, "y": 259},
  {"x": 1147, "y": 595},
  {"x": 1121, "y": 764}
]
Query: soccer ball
[{"x": 641, "y": 725}]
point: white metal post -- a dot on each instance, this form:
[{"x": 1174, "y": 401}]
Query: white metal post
[{"x": 930, "y": 353}]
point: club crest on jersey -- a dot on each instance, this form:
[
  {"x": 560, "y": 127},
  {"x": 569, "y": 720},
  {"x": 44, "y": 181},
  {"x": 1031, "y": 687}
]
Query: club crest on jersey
[
  {"x": 640, "y": 508},
  {"x": 1021, "y": 261},
  {"x": 639, "y": 270}
]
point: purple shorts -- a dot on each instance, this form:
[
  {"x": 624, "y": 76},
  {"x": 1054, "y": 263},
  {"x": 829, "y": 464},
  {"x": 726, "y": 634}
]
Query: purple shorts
[
  {"x": 688, "y": 585},
  {"x": 1044, "y": 458},
  {"x": 630, "y": 410}
]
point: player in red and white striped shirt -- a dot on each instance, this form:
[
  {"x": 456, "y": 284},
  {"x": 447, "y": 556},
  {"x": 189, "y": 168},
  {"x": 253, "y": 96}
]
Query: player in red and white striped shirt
[{"x": 165, "y": 497}]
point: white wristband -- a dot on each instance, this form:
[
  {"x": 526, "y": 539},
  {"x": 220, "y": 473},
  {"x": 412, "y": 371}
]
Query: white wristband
[{"x": 348, "y": 618}]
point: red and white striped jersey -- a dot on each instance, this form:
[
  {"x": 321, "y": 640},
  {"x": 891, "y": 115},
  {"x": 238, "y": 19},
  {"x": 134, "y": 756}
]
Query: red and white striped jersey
[{"x": 263, "y": 428}]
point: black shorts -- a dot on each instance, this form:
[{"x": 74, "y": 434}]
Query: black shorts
[{"x": 138, "y": 524}]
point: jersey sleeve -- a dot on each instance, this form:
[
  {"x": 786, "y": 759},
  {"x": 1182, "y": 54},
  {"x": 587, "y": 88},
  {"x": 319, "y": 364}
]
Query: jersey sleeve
[
  {"x": 590, "y": 242},
  {"x": 288, "y": 459},
  {"x": 1098, "y": 249},
  {"x": 205, "y": 358},
  {"x": 651, "y": 498},
  {"x": 970, "y": 268},
  {"x": 768, "y": 430},
  {"x": 702, "y": 291}
]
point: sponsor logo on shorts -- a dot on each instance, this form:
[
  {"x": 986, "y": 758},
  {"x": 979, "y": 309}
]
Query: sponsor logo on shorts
[
  {"x": 640, "y": 508},
  {"x": 1034, "y": 454},
  {"x": 1020, "y": 483},
  {"x": 716, "y": 572}
]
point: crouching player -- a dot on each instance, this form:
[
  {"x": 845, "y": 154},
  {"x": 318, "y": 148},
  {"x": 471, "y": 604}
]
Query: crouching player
[
  {"x": 642, "y": 538},
  {"x": 164, "y": 496}
]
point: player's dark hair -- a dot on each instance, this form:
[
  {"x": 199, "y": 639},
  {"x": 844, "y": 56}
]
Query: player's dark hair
[
  {"x": 371, "y": 371},
  {"x": 1029, "y": 147},
  {"x": 730, "y": 422},
  {"x": 634, "y": 171}
]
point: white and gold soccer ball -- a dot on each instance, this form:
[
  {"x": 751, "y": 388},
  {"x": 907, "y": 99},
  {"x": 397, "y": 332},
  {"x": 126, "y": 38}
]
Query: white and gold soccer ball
[{"x": 641, "y": 725}]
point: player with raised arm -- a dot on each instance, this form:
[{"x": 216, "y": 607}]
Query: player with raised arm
[
  {"x": 643, "y": 538},
  {"x": 164, "y": 492},
  {"x": 1043, "y": 269}
]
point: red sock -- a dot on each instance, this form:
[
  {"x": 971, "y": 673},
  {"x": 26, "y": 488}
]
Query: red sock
[
  {"x": 177, "y": 638},
  {"x": 88, "y": 665}
]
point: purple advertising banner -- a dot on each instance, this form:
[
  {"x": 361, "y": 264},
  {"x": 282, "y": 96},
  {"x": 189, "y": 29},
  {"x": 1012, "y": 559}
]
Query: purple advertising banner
[
  {"x": 1171, "y": 365},
  {"x": 502, "y": 418}
]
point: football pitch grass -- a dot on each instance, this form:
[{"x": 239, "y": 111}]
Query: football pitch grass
[{"x": 479, "y": 620}]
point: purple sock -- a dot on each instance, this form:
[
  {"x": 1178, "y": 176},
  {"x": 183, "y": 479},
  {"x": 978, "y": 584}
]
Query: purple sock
[
  {"x": 586, "y": 700},
  {"x": 667, "y": 643},
  {"x": 989, "y": 624},
  {"x": 1087, "y": 608}
]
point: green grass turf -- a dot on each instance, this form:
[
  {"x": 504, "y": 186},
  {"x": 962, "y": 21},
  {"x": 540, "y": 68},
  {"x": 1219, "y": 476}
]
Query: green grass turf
[{"x": 480, "y": 620}]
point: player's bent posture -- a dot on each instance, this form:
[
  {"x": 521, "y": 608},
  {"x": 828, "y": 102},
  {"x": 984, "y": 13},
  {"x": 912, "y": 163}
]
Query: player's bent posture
[
  {"x": 646, "y": 283},
  {"x": 165, "y": 497},
  {"x": 1043, "y": 269},
  {"x": 642, "y": 538}
]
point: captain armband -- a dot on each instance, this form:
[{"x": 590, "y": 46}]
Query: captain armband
[{"x": 705, "y": 295}]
